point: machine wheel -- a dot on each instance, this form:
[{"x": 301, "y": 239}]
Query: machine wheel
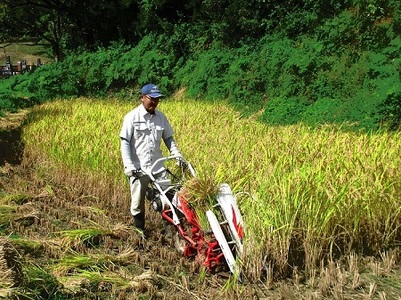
[{"x": 157, "y": 204}]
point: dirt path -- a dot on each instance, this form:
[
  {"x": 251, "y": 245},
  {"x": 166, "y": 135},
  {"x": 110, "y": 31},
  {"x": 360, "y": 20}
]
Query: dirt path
[{"x": 11, "y": 147}]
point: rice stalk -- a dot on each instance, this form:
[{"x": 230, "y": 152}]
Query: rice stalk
[{"x": 85, "y": 236}]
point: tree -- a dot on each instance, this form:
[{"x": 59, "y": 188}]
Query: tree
[
  {"x": 69, "y": 24},
  {"x": 41, "y": 20}
]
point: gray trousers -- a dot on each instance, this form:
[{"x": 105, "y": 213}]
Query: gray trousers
[{"x": 138, "y": 187}]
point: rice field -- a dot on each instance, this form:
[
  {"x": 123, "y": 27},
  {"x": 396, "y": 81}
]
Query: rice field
[{"x": 317, "y": 193}]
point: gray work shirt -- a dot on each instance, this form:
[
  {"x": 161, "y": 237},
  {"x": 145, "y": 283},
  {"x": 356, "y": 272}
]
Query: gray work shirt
[{"x": 143, "y": 132}]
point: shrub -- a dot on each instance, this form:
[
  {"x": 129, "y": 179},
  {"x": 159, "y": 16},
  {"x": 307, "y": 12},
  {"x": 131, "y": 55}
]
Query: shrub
[
  {"x": 204, "y": 73},
  {"x": 285, "y": 111}
]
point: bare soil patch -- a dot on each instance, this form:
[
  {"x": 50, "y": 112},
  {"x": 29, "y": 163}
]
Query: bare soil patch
[{"x": 11, "y": 146}]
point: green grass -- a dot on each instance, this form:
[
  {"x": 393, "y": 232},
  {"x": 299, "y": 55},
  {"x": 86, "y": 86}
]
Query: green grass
[{"x": 27, "y": 51}]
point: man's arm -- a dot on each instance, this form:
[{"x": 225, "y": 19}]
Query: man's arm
[
  {"x": 126, "y": 156},
  {"x": 172, "y": 146}
]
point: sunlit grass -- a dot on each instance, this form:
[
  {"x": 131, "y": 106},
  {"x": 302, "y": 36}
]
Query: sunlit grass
[
  {"x": 316, "y": 192},
  {"x": 27, "y": 51}
]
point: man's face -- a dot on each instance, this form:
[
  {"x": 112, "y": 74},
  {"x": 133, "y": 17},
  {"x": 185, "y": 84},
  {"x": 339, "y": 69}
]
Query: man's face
[{"x": 149, "y": 103}]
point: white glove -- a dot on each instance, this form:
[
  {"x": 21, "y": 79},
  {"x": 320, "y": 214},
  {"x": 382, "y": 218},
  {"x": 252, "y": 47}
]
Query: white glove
[
  {"x": 181, "y": 163},
  {"x": 132, "y": 172}
]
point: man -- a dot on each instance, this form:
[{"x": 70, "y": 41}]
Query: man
[{"x": 142, "y": 131}]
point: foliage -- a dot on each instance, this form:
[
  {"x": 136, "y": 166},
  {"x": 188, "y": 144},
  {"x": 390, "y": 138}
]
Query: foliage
[
  {"x": 147, "y": 62},
  {"x": 204, "y": 76},
  {"x": 12, "y": 99},
  {"x": 93, "y": 73},
  {"x": 285, "y": 111},
  {"x": 325, "y": 62},
  {"x": 68, "y": 25}
]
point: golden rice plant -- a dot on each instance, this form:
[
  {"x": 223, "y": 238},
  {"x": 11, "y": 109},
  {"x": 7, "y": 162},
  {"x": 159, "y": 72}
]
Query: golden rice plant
[
  {"x": 316, "y": 192},
  {"x": 82, "y": 236},
  {"x": 200, "y": 192},
  {"x": 31, "y": 246},
  {"x": 76, "y": 262},
  {"x": 115, "y": 281},
  {"x": 18, "y": 198}
]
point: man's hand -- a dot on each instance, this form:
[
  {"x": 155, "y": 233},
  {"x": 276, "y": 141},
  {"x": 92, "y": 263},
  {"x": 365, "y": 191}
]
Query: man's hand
[
  {"x": 181, "y": 163},
  {"x": 134, "y": 173},
  {"x": 137, "y": 173}
]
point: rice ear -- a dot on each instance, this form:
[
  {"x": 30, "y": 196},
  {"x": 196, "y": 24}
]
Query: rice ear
[{"x": 199, "y": 192}]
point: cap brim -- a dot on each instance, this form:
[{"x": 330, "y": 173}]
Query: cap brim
[{"x": 156, "y": 95}]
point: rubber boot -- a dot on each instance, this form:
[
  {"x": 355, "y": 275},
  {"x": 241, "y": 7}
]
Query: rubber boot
[{"x": 139, "y": 221}]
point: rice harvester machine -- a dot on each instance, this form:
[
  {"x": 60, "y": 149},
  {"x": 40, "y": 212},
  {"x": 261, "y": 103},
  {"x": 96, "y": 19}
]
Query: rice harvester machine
[{"x": 220, "y": 245}]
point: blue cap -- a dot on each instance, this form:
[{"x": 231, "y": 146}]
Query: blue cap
[{"x": 151, "y": 90}]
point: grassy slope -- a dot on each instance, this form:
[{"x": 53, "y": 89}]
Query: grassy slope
[{"x": 24, "y": 51}]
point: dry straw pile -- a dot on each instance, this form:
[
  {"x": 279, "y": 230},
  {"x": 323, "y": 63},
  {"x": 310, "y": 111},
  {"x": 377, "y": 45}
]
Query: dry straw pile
[{"x": 10, "y": 268}]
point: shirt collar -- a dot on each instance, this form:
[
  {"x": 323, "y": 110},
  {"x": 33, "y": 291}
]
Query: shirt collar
[{"x": 144, "y": 112}]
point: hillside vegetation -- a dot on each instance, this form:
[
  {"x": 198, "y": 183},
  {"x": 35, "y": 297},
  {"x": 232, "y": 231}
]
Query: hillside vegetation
[{"x": 321, "y": 64}]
